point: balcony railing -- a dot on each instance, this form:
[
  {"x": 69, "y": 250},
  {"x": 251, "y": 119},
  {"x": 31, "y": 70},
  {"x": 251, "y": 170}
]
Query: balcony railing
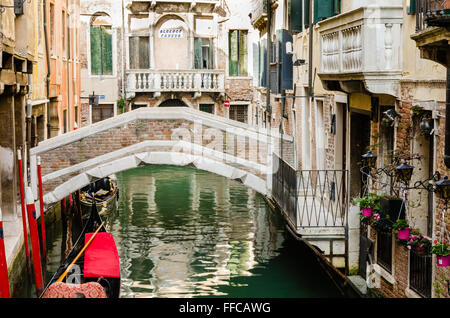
[
  {"x": 432, "y": 13},
  {"x": 176, "y": 81},
  {"x": 259, "y": 12}
]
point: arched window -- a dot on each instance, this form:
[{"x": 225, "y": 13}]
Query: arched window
[{"x": 101, "y": 45}]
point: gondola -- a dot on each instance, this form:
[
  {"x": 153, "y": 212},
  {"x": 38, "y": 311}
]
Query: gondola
[
  {"x": 105, "y": 192},
  {"x": 98, "y": 271}
]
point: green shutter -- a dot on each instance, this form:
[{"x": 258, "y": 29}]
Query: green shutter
[
  {"x": 412, "y": 7},
  {"x": 107, "y": 68},
  {"x": 296, "y": 15},
  {"x": 306, "y": 13},
  {"x": 198, "y": 53},
  {"x": 256, "y": 71},
  {"x": 243, "y": 56},
  {"x": 323, "y": 9},
  {"x": 95, "y": 50},
  {"x": 233, "y": 53}
]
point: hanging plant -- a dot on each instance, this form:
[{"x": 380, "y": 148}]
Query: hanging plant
[
  {"x": 401, "y": 229},
  {"x": 442, "y": 251}
]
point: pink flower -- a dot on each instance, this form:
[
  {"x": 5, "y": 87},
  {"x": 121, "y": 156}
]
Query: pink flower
[{"x": 409, "y": 247}]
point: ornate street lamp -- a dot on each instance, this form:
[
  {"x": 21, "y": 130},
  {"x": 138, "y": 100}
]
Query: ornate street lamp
[
  {"x": 426, "y": 125},
  {"x": 369, "y": 159},
  {"x": 443, "y": 188},
  {"x": 404, "y": 172}
]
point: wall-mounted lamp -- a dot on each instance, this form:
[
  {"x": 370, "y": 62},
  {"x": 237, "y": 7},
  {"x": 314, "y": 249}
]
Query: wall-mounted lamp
[
  {"x": 426, "y": 125},
  {"x": 404, "y": 172}
]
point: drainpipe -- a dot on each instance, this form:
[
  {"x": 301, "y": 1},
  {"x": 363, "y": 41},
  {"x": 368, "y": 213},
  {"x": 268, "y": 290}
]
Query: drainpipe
[
  {"x": 123, "y": 53},
  {"x": 67, "y": 65},
  {"x": 310, "y": 66},
  {"x": 47, "y": 56},
  {"x": 447, "y": 123},
  {"x": 269, "y": 51}
]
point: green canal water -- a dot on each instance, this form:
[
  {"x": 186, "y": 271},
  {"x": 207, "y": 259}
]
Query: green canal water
[{"x": 182, "y": 232}]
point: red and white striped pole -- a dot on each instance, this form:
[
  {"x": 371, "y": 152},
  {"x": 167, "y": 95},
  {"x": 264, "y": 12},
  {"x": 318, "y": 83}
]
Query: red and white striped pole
[
  {"x": 35, "y": 247},
  {"x": 41, "y": 206},
  {"x": 4, "y": 280},
  {"x": 24, "y": 216}
]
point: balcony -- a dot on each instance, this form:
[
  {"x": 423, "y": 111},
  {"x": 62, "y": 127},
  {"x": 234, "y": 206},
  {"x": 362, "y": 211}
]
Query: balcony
[
  {"x": 209, "y": 6},
  {"x": 258, "y": 16},
  {"x": 432, "y": 30},
  {"x": 361, "y": 50},
  {"x": 153, "y": 81}
]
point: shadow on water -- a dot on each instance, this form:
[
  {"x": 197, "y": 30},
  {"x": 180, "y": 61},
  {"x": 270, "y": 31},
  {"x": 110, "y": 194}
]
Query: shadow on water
[{"x": 181, "y": 232}]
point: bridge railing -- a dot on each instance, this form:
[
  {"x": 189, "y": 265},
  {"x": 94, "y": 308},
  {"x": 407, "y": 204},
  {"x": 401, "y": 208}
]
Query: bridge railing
[{"x": 311, "y": 198}]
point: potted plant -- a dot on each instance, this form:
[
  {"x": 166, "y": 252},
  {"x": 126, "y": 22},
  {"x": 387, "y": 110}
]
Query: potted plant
[
  {"x": 402, "y": 229},
  {"x": 442, "y": 252},
  {"x": 368, "y": 204},
  {"x": 418, "y": 243},
  {"x": 393, "y": 207}
]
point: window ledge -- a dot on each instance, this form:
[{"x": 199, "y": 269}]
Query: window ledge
[
  {"x": 240, "y": 77},
  {"x": 385, "y": 274},
  {"x": 411, "y": 293}
]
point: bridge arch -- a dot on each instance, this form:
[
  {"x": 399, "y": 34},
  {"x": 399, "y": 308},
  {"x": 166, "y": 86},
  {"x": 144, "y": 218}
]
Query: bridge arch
[{"x": 178, "y": 136}]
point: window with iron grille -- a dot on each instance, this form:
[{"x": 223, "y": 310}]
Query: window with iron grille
[
  {"x": 384, "y": 250},
  {"x": 420, "y": 273},
  {"x": 239, "y": 113},
  {"x": 102, "y": 112},
  {"x": 207, "y": 108}
]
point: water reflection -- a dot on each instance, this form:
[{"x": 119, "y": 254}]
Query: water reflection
[{"x": 188, "y": 233}]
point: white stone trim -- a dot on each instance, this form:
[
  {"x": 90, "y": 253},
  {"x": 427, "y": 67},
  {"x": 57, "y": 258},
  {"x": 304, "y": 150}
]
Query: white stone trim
[
  {"x": 138, "y": 148},
  {"x": 155, "y": 113},
  {"x": 170, "y": 158}
]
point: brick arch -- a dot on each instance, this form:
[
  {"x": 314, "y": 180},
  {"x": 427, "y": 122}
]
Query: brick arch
[{"x": 155, "y": 135}]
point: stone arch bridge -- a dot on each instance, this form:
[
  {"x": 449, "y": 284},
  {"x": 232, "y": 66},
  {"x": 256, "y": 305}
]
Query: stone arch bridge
[{"x": 168, "y": 136}]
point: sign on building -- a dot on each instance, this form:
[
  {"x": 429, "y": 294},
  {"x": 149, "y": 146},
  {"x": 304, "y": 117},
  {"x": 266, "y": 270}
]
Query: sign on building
[{"x": 171, "y": 33}]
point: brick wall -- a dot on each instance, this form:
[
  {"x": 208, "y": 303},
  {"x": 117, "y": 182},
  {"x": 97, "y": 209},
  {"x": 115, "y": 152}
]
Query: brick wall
[{"x": 132, "y": 133}]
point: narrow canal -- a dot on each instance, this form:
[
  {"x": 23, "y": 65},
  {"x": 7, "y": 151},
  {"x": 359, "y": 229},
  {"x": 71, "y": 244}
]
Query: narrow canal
[{"x": 181, "y": 232}]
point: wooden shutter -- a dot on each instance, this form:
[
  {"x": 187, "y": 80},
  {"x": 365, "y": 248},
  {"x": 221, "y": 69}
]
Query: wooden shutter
[
  {"x": 106, "y": 42},
  {"x": 144, "y": 47},
  {"x": 233, "y": 52},
  {"x": 323, "y": 9},
  {"x": 306, "y": 13},
  {"x": 286, "y": 65},
  {"x": 256, "y": 67},
  {"x": 198, "y": 53},
  {"x": 243, "y": 53},
  {"x": 95, "y": 50},
  {"x": 412, "y": 7},
  {"x": 295, "y": 20}
]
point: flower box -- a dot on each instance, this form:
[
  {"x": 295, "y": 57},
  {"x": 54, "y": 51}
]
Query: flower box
[{"x": 367, "y": 212}]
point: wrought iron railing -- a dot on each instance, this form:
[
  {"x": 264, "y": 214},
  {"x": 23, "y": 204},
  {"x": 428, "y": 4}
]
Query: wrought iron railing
[
  {"x": 284, "y": 187},
  {"x": 322, "y": 198},
  {"x": 311, "y": 198},
  {"x": 432, "y": 13},
  {"x": 420, "y": 273},
  {"x": 384, "y": 250}
]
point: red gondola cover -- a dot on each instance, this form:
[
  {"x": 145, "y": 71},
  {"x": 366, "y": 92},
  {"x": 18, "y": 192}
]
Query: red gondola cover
[{"x": 101, "y": 258}]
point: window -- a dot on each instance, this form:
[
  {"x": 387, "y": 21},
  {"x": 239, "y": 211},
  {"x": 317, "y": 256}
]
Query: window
[
  {"x": 66, "y": 119},
  {"x": 139, "y": 52},
  {"x": 102, "y": 112},
  {"x": 76, "y": 116},
  {"x": 52, "y": 28},
  {"x": 203, "y": 53},
  {"x": 136, "y": 106},
  {"x": 420, "y": 273},
  {"x": 207, "y": 108},
  {"x": 63, "y": 23},
  {"x": 384, "y": 250},
  {"x": 69, "y": 54},
  {"x": 238, "y": 56},
  {"x": 101, "y": 46},
  {"x": 239, "y": 113}
]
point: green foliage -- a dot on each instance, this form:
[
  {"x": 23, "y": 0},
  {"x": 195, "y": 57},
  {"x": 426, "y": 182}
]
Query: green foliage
[
  {"x": 400, "y": 225},
  {"x": 440, "y": 249},
  {"x": 370, "y": 200}
]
